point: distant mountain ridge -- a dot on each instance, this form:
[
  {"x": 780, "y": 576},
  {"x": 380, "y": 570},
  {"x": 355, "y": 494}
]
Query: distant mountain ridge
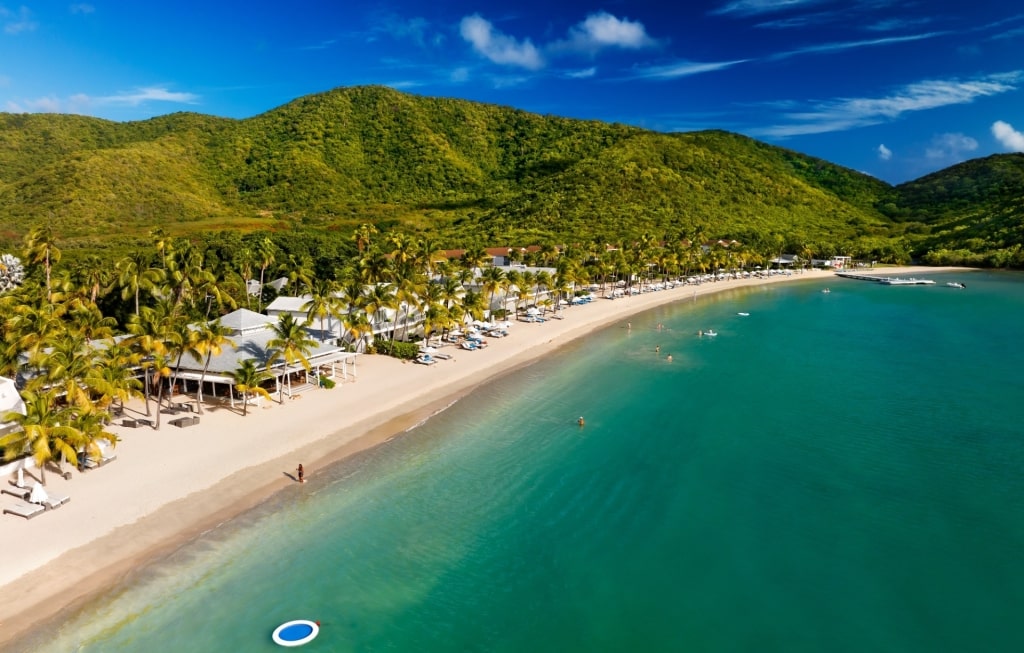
[{"x": 469, "y": 172}]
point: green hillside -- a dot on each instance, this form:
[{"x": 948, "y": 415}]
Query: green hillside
[{"x": 470, "y": 174}]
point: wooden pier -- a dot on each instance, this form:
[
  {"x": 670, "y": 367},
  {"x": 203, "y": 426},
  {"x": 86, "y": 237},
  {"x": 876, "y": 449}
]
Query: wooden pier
[{"x": 888, "y": 281}]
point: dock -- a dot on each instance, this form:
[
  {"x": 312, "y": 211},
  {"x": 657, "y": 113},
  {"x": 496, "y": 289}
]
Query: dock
[{"x": 888, "y": 281}]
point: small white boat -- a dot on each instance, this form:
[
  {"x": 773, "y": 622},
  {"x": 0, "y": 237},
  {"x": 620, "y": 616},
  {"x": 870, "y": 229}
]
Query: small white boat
[
  {"x": 955, "y": 284},
  {"x": 711, "y": 333},
  {"x": 743, "y": 314},
  {"x": 826, "y": 290}
]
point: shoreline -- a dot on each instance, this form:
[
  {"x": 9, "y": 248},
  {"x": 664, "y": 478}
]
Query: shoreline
[{"x": 171, "y": 486}]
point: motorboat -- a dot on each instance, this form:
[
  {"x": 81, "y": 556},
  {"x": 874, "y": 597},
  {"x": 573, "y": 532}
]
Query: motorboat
[
  {"x": 955, "y": 284},
  {"x": 743, "y": 314},
  {"x": 710, "y": 333}
]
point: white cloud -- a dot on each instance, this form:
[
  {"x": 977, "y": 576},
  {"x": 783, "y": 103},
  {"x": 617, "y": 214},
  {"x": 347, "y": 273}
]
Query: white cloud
[
  {"x": 603, "y": 30},
  {"x": 47, "y": 104},
  {"x": 17, "y": 22},
  {"x": 83, "y": 103},
  {"x": 950, "y": 147},
  {"x": 893, "y": 24},
  {"x": 148, "y": 94},
  {"x": 1008, "y": 137},
  {"x": 597, "y": 32},
  {"x": 851, "y": 45},
  {"x": 459, "y": 75},
  {"x": 850, "y": 113},
  {"x": 582, "y": 74},
  {"x": 498, "y": 47},
  {"x": 884, "y": 153},
  {"x": 683, "y": 69},
  {"x": 754, "y": 7}
]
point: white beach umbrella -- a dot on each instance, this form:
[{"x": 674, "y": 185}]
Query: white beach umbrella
[
  {"x": 21, "y": 477},
  {"x": 38, "y": 494}
]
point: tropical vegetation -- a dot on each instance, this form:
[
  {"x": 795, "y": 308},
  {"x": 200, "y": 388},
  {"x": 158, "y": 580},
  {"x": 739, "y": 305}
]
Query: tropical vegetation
[
  {"x": 472, "y": 175},
  {"x": 351, "y": 199}
]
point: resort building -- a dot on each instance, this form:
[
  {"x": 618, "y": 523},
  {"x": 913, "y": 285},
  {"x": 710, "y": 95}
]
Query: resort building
[{"x": 251, "y": 332}]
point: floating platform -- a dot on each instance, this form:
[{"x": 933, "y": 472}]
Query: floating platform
[
  {"x": 887, "y": 281},
  {"x": 296, "y": 633}
]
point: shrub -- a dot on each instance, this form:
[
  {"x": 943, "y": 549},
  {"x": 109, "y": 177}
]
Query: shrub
[{"x": 402, "y": 350}]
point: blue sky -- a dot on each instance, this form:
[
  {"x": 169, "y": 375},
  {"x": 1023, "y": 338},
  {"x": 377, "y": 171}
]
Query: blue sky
[{"x": 893, "y": 88}]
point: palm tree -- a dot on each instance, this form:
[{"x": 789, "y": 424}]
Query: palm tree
[
  {"x": 299, "y": 271},
  {"x": 292, "y": 343},
  {"x": 265, "y": 254},
  {"x": 249, "y": 380},
  {"x": 160, "y": 365},
  {"x": 66, "y": 364},
  {"x": 475, "y": 257},
  {"x": 492, "y": 279},
  {"x": 148, "y": 330},
  {"x": 363, "y": 236},
  {"x": 180, "y": 339},
  {"x": 87, "y": 320},
  {"x": 134, "y": 275},
  {"x": 46, "y": 432},
  {"x": 92, "y": 275},
  {"x": 357, "y": 326},
  {"x": 323, "y": 302},
  {"x": 210, "y": 340},
  {"x": 41, "y": 247},
  {"x": 92, "y": 427},
  {"x": 407, "y": 291},
  {"x": 115, "y": 375},
  {"x": 245, "y": 259},
  {"x": 428, "y": 250},
  {"x": 380, "y": 299},
  {"x": 162, "y": 243},
  {"x": 541, "y": 280}
]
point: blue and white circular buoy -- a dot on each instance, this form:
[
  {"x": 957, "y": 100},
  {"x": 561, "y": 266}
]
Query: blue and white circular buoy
[{"x": 296, "y": 633}]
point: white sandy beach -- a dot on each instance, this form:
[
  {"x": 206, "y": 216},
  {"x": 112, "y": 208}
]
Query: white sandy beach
[{"x": 168, "y": 486}]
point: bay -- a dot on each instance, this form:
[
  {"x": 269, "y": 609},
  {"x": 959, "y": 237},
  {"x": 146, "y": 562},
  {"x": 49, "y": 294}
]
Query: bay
[{"x": 833, "y": 471}]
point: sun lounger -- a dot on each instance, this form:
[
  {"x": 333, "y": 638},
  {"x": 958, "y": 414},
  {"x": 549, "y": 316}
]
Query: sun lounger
[
  {"x": 55, "y": 501},
  {"x": 92, "y": 463},
  {"x": 20, "y": 492},
  {"x": 24, "y": 509}
]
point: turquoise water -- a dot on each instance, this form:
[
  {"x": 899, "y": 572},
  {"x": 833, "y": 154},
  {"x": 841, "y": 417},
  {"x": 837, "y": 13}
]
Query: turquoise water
[{"x": 833, "y": 472}]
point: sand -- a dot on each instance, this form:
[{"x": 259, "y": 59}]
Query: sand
[{"x": 167, "y": 487}]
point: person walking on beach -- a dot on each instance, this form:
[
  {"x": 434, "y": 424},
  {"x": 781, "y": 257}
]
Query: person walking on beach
[{"x": 301, "y": 473}]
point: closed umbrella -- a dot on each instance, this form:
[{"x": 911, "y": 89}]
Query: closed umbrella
[{"x": 38, "y": 494}]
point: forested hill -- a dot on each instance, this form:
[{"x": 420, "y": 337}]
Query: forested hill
[{"x": 469, "y": 173}]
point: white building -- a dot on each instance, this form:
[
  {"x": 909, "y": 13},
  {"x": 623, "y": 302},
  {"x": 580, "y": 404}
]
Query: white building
[{"x": 10, "y": 402}]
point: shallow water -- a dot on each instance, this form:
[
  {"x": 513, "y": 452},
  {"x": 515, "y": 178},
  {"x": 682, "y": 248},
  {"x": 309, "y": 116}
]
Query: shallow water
[{"x": 833, "y": 472}]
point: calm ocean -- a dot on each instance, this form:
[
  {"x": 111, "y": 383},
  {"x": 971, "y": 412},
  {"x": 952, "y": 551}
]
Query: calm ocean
[{"x": 834, "y": 472}]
